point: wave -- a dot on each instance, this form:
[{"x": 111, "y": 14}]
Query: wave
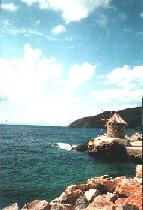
[{"x": 64, "y": 146}]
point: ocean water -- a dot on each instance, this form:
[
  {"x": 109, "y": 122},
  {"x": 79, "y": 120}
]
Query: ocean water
[{"x": 36, "y": 162}]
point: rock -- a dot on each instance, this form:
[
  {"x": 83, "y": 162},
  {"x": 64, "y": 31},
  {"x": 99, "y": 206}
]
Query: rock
[
  {"x": 130, "y": 207},
  {"x": 71, "y": 197},
  {"x": 81, "y": 203},
  {"x": 99, "y": 182},
  {"x": 136, "y": 137},
  {"x": 81, "y": 147},
  {"x": 127, "y": 187},
  {"x": 100, "y": 201},
  {"x": 12, "y": 207},
  {"x": 109, "y": 149},
  {"x": 59, "y": 206},
  {"x": 136, "y": 143},
  {"x": 37, "y": 205},
  {"x": 82, "y": 187},
  {"x": 139, "y": 171},
  {"x": 91, "y": 194},
  {"x": 101, "y": 188},
  {"x": 135, "y": 200},
  {"x": 134, "y": 153}
]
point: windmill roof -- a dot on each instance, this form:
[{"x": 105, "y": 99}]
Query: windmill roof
[{"x": 116, "y": 118}]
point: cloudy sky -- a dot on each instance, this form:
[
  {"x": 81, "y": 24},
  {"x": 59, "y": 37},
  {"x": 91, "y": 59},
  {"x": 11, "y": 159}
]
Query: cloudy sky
[{"x": 65, "y": 59}]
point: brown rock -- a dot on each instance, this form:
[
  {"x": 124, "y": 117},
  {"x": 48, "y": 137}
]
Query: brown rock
[
  {"x": 135, "y": 200},
  {"x": 12, "y": 207},
  {"x": 100, "y": 202},
  {"x": 70, "y": 197},
  {"x": 118, "y": 180},
  {"x": 120, "y": 201},
  {"x": 127, "y": 187},
  {"x": 99, "y": 182},
  {"x": 82, "y": 187},
  {"x": 37, "y": 205},
  {"x": 139, "y": 171},
  {"x": 59, "y": 206}
]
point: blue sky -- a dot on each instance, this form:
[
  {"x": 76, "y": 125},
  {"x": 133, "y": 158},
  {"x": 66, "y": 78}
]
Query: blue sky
[{"x": 65, "y": 59}]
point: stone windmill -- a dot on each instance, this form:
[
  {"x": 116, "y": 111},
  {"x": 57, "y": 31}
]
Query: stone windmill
[{"x": 116, "y": 127}]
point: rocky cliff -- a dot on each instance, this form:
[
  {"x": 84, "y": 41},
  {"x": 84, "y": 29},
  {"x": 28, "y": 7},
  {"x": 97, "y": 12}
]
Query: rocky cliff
[{"x": 132, "y": 115}]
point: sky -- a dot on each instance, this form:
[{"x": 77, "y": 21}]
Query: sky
[{"x": 61, "y": 60}]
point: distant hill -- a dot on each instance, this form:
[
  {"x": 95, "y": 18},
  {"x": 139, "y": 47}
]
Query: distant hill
[{"x": 133, "y": 116}]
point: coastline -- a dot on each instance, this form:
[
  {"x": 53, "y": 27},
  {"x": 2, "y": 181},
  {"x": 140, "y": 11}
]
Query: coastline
[{"x": 99, "y": 193}]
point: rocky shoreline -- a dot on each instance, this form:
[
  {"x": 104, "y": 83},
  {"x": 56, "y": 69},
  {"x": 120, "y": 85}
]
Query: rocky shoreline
[
  {"x": 102, "y": 193},
  {"x": 99, "y": 193},
  {"x": 113, "y": 149},
  {"x": 114, "y": 145}
]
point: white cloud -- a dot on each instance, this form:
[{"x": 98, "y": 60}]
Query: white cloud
[
  {"x": 34, "y": 91},
  {"x": 25, "y": 78},
  {"x": 125, "y": 75},
  {"x": 9, "y": 6},
  {"x": 78, "y": 75},
  {"x": 59, "y": 29},
  {"x": 72, "y": 10},
  {"x": 118, "y": 95},
  {"x": 125, "y": 86}
]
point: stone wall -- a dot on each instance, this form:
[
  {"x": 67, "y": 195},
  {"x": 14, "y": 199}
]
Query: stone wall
[{"x": 116, "y": 130}]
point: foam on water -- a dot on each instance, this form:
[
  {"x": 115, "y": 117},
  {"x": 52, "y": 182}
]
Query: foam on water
[{"x": 64, "y": 146}]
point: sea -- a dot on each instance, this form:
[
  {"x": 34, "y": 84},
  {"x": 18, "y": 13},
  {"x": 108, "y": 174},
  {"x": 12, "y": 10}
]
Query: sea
[{"x": 36, "y": 162}]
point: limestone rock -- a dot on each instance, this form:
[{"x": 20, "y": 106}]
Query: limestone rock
[
  {"x": 12, "y": 207},
  {"x": 37, "y": 205}
]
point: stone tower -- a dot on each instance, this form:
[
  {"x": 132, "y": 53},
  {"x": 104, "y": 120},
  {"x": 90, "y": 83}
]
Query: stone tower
[{"x": 116, "y": 127}]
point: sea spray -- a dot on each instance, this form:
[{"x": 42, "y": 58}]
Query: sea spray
[{"x": 64, "y": 146}]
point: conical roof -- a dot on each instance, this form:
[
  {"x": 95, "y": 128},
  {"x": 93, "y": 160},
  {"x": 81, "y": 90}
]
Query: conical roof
[{"x": 116, "y": 118}]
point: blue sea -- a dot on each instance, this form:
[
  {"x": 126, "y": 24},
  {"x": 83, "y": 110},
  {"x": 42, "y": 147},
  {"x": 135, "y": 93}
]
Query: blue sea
[{"x": 36, "y": 162}]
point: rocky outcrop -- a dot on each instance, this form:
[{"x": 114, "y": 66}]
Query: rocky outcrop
[
  {"x": 12, "y": 207},
  {"x": 113, "y": 149},
  {"x": 131, "y": 115},
  {"x": 99, "y": 193},
  {"x": 37, "y": 205}
]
